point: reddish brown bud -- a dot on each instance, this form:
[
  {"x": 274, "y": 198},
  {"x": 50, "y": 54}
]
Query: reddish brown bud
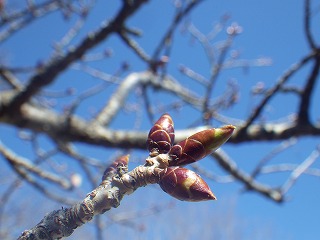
[
  {"x": 199, "y": 145},
  {"x": 185, "y": 185},
  {"x": 161, "y": 135},
  {"x": 115, "y": 167}
]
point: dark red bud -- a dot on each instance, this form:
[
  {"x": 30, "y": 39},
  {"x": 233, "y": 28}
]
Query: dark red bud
[
  {"x": 185, "y": 185},
  {"x": 199, "y": 145},
  {"x": 161, "y": 135},
  {"x": 113, "y": 168}
]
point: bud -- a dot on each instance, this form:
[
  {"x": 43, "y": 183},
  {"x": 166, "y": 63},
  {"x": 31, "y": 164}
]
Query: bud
[
  {"x": 199, "y": 145},
  {"x": 161, "y": 136},
  {"x": 185, "y": 185},
  {"x": 119, "y": 166}
]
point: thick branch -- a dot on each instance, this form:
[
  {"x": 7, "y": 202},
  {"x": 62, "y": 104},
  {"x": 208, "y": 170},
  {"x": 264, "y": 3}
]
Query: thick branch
[
  {"x": 61, "y": 223},
  {"x": 76, "y": 129}
]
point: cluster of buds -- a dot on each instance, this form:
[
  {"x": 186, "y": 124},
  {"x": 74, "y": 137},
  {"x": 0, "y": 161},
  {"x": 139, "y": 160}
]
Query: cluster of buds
[{"x": 179, "y": 182}]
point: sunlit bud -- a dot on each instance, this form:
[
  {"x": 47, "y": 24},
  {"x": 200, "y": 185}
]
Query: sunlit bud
[
  {"x": 161, "y": 136},
  {"x": 185, "y": 185},
  {"x": 199, "y": 145},
  {"x": 120, "y": 164}
]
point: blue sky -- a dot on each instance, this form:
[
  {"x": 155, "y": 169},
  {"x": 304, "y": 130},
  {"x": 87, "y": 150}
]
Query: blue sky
[{"x": 272, "y": 29}]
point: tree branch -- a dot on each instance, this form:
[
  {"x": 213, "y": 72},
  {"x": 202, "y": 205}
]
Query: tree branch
[
  {"x": 147, "y": 78},
  {"x": 76, "y": 129},
  {"x": 299, "y": 170},
  {"x": 48, "y": 73},
  {"x": 303, "y": 112},
  {"x": 230, "y": 166},
  {"x": 114, "y": 186},
  {"x": 272, "y": 92},
  {"x": 307, "y": 27},
  {"x": 21, "y": 163}
]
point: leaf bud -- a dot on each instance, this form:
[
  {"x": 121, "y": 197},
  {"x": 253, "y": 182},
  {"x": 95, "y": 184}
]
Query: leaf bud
[
  {"x": 185, "y": 185},
  {"x": 199, "y": 145},
  {"x": 161, "y": 136},
  {"x": 119, "y": 166}
]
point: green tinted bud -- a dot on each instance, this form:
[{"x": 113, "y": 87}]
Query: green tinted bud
[
  {"x": 185, "y": 185},
  {"x": 199, "y": 145}
]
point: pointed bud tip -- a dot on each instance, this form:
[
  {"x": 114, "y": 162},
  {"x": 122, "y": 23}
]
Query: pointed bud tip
[
  {"x": 209, "y": 195},
  {"x": 225, "y": 132},
  {"x": 125, "y": 159},
  {"x": 213, "y": 197},
  {"x": 228, "y": 128}
]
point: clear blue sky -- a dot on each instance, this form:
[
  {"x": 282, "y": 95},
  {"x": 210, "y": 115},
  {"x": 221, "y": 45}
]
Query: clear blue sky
[{"x": 271, "y": 29}]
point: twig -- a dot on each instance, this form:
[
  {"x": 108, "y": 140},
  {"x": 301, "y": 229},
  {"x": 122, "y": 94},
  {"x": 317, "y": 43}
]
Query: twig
[
  {"x": 272, "y": 92},
  {"x": 44, "y": 190},
  {"x": 5, "y": 199},
  {"x": 205, "y": 173},
  {"x": 71, "y": 34},
  {"x": 21, "y": 163},
  {"x": 307, "y": 27},
  {"x": 286, "y": 167},
  {"x": 194, "y": 75},
  {"x": 148, "y": 105},
  {"x": 69, "y": 150},
  {"x": 48, "y": 73},
  {"x": 230, "y": 166},
  {"x": 115, "y": 103},
  {"x": 303, "y": 111},
  {"x": 128, "y": 218},
  {"x": 18, "y": 20},
  {"x": 8, "y": 76},
  {"x": 110, "y": 78},
  {"x": 135, "y": 47},
  {"x": 175, "y": 22},
  {"x": 147, "y": 78},
  {"x": 278, "y": 149},
  {"x": 299, "y": 170}
]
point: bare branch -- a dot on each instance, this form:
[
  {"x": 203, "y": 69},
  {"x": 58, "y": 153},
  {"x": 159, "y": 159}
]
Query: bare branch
[
  {"x": 48, "y": 73},
  {"x": 299, "y": 170},
  {"x": 10, "y": 79},
  {"x": 287, "y": 167},
  {"x": 134, "y": 46},
  {"x": 194, "y": 75},
  {"x": 230, "y": 166},
  {"x": 61, "y": 223},
  {"x": 109, "y": 112},
  {"x": 205, "y": 173},
  {"x": 181, "y": 13},
  {"x": 280, "y": 148},
  {"x": 272, "y": 92},
  {"x": 303, "y": 112},
  {"x": 307, "y": 27},
  {"x": 21, "y": 163},
  {"x": 25, "y": 176},
  {"x": 78, "y": 130},
  {"x": 20, "y": 19}
]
